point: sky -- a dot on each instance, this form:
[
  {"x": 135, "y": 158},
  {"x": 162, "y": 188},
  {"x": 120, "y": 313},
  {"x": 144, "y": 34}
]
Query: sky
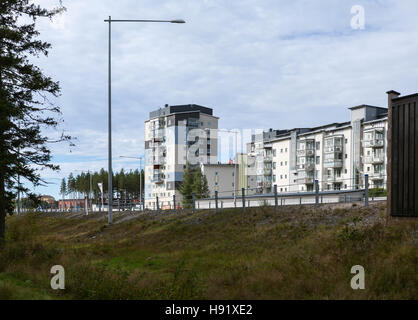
[{"x": 257, "y": 63}]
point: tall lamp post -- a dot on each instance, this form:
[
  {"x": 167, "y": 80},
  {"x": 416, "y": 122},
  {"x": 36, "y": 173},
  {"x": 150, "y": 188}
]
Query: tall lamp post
[
  {"x": 140, "y": 175},
  {"x": 110, "y": 189}
]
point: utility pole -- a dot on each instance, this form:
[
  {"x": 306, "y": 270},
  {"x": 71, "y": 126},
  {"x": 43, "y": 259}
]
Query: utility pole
[{"x": 90, "y": 194}]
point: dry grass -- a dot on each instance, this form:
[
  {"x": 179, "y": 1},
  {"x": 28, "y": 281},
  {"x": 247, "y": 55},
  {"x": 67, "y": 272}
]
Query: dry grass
[{"x": 296, "y": 253}]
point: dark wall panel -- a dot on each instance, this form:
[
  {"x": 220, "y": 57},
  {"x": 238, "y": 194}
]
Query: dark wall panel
[{"x": 404, "y": 169}]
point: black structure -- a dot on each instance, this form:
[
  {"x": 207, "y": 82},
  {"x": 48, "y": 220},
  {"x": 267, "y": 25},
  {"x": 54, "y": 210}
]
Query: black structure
[{"x": 403, "y": 164}]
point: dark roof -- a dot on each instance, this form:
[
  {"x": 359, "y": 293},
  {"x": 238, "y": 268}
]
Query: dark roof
[
  {"x": 405, "y": 97},
  {"x": 167, "y": 110},
  {"x": 393, "y": 91}
]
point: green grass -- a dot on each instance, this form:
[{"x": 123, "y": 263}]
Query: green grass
[
  {"x": 12, "y": 288},
  {"x": 296, "y": 253}
]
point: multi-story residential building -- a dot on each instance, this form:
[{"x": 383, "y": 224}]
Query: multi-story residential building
[
  {"x": 337, "y": 155},
  {"x": 260, "y": 156},
  {"x": 174, "y": 136}
]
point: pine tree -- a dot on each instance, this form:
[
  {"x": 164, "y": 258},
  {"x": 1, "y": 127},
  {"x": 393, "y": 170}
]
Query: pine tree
[
  {"x": 186, "y": 187},
  {"x": 200, "y": 184},
  {"x": 71, "y": 185},
  {"x": 205, "y": 192},
  {"x": 25, "y": 107},
  {"x": 63, "y": 188}
]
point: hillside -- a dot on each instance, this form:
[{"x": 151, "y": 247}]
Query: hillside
[{"x": 296, "y": 253}]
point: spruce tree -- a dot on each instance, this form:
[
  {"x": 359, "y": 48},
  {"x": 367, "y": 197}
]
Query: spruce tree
[
  {"x": 25, "y": 108},
  {"x": 200, "y": 184},
  {"x": 186, "y": 187},
  {"x": 63, "y": 188},
  {"x": 205, "y": 192}
]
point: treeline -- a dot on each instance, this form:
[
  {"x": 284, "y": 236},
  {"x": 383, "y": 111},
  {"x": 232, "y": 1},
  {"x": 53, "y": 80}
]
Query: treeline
[{"x": 78, "y": 186}]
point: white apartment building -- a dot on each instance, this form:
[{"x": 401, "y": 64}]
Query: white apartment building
[
  {"x": 175, "y": 135},
  {"x": 337, "y": 155}
]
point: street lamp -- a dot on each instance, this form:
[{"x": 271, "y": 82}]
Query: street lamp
[
  {"x": 110, "y": 191},
  {"x": 140, "y": 176}
]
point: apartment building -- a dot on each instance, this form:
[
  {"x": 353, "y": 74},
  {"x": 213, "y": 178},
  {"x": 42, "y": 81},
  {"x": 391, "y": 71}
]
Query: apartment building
[
  {"x": 174, "y": 136},
  {"x": 337, "y": 154}
]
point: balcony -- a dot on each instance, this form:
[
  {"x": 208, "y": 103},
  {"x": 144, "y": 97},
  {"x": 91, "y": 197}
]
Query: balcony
[
  {"x": 375, "y": 159},
  {"x": 267, "y": 184},
  {"x": 305, "y": 167},
  {"x": 306, "y": 180},
  {"x": 377, "y": 176},
  {"x": 159, "y": 161},
  {"x": 306, "y": 152},
  {"x": 336, "y": 163},
  {"x": 158, "y": 177},
  {"x": 331, "y": 149},
  {"x": 333, "y": 178},
  {"x": 268, "y": 158},
  {"x": 378, "y": 159},
  {"x": 375, "y": 143},
  {"x": 267, "y": 171}
]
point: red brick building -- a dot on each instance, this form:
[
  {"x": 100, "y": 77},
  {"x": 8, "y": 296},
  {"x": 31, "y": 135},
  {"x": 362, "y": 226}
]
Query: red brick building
[{"x": 68, "y": 204}]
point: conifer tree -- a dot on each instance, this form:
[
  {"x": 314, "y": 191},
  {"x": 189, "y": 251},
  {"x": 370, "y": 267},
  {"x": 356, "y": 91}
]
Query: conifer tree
[
  {"x": 186, "y": 187},
  {"x": 63, "y": 188},
  {"x": 25, "y": 108}
]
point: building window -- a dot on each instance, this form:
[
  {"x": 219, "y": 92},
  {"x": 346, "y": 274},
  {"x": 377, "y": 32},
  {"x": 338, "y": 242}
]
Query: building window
[
  {"x": 317, "y": 159},
  {"x": 318, "y": 145},
  {"x": 281, "y": 150},
  {"x": 285, "y": 176},
  {"x": 281, "y": 163},
  {"x": 274, "y": 178},
  {"x": 346, "y": 140},
  {"x": 274, "y": 165},
  {"x": 345, "y": 170},
  {"x": 346, "y": 156},
  {"x": 285, "y": 150},
  {"x": 285, "y": 163},
  {"x": 281, "y": 176},
  {"x": 274, "y": 152},
  {"x": 368, "y": 168}
]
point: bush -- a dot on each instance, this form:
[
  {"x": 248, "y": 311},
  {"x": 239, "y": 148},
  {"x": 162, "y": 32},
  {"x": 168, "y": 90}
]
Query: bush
[{"x": 377, "y": 192}]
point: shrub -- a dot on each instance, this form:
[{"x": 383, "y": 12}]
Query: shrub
[{"x": 377, "y": 192}]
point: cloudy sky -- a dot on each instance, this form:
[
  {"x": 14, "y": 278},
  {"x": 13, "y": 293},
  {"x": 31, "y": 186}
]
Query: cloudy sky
[{"x": 257, "y": 63}]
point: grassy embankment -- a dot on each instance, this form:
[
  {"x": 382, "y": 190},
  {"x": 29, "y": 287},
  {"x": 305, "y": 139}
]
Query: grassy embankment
[{"x": 297, "y": 253}]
